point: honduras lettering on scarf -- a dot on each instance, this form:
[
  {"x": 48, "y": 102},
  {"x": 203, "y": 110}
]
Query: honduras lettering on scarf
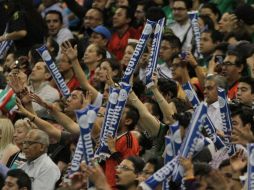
[
  {"x": 138, "y": 51},
  {"x": 176, "y": 139},
  {"x": 211, "y": 132},
  {"x": 166, "y": 171},
  {"x": 107, "y": 126},
  {"x": 193, "y": 15},
  {"x": 191, "y": 138},
  {"x": 152, "y": 64},
  {"x": 191, "y": 94},
  {"x": 226, "y": 121},
  {"x": 250, "y": 168},
  {"x": 86, "y": 118},
  {"x": 169, "y": 155},
  {"x": 58, "y": 78}
]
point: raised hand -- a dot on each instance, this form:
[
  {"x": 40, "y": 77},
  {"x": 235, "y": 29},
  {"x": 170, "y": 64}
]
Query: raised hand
[
  {"x": 238, "y": 161},
  {"x": 87, "y": 99},
  {"x": 21, "y": 109},
  {"x": 69, "y": 51},
  {"x": 41, "y": 102},
  {"x": 242, "y": 135}
]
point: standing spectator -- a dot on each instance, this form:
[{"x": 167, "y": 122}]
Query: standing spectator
[
  {"x": 232, "y": 68},
  {"x": 123, "y": 31},
  {"x": 39, "y": 167},
  {"x": 17, "y": 179},
  {"x": 25, "y": 26},
  {"x": 169, "y": 45},
  {"x": 54, "y": 5},
  {"x": 40, "y": 86},
  {"x": 182, "y": 27},
  {"x": 56, "y": 30}
]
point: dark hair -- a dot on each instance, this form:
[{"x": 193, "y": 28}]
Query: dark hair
[
  {"x": 137, "y": 162},
  {"x": 201, "y": 169},
  {"x": 128, "y": 12},
  {"x": 157, "y": 162},
  {"x": 115, "y": 66},
  {"x": 249, "y": 81},
  {"x": 223, "y": 47},
  {"x": 23, "y": 180},
  {"x": 213, "y": 7},
  {"x": 238, "y": 35},
  {"x": 156, "y": 111},
  {"x": 183, "y": 118},
  {"x": 55, "y": 46},
  {"x": 209, "y": 25},
  {"x": 216, "y": 36},
  {"x": 132, "y": 114},
  {"x": 167, "y": 87},
  {"x": 188, "y": 3},
  {"x": 60, "y": 16},
  {"x": 173, "y": 40},
  {"x": 245, "y": 113},
  {"x": 35, "y": 55},
  {"x": 155, "y": 13}
]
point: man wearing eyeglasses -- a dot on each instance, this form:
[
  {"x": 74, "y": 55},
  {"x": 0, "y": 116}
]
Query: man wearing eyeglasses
[
  {"x": 232, "y": 68},
  {"x": 127, "y": 173},
  {"x": 40, "y": 168}
]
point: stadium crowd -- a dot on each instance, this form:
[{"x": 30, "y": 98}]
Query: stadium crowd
[{"x": 92, "y": 43}]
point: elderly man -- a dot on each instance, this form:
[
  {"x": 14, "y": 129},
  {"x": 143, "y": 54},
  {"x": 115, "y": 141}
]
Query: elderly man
[{"x": 40, "y": 168}]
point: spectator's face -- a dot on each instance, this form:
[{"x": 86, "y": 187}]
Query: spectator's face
[
  {"x": 166, "y": 50},
  {"x": 236, "y": 121},
  {"x": 100, "y": 4},
  {"x": 225, "y": 23},
  {"x": 140, "y": 14},
  {"x": 9, "y": 60},
  {"x": 177, "y": 69},
  {"x": 91, "y": 55},
  {"x": 104, "y": 70},
  {"x": 53, "y": 23},
  {"x": 92, "y": 19},
  {"x": 19, "y": 134},
  {"x": 10, "y": 183},
  {"x": 206, "y": 43},
  {"x": 74, "y": 101},
  {"x": 98, "y": 39},
  {"x": 210, "y": 92},
  {"x": 148, "y": 170},
  {"x": 39, "y": 72},
  {"x": 32, "y": 148},
  {"x": 208, "y": 12},
  {"x": 244, "y": 94},
  {"x": 230, "y": 70},
  {"x": 250, "y": 62},
  {"x": 232, "y": 177},
  {"x": 122, "y": 3},
  {"x": 64, "y": 65},
  {"x": 125, "y": 173},
  {"x": 127, "y": 55},
  {"x": 120, "y": 18},
  {"x": 180, "y": 11}
]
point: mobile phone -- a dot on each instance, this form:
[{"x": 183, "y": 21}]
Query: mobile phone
[
  {"x": 183, "y": 55},
  {"x": 219, "y": 59}
]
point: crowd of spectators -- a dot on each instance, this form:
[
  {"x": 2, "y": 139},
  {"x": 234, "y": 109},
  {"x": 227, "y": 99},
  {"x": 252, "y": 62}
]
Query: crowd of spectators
[{"x": 92, "y": 42}]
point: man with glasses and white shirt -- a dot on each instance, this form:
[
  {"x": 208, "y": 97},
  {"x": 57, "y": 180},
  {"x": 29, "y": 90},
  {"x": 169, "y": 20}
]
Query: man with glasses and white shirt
[{"x": 40, "y": 168}]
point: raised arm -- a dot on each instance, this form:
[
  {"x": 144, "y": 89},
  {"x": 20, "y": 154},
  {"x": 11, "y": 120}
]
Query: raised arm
[
  {"x": 60, "y": 117},
  {"x": 71, "y": 53},
  {"x": 168, "y": 109},
  {"x": 42, "y": 124},
  {"x": 146, "y": 121}
]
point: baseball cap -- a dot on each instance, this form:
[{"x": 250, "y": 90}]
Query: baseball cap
[{"x": 103, "y": 31}]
